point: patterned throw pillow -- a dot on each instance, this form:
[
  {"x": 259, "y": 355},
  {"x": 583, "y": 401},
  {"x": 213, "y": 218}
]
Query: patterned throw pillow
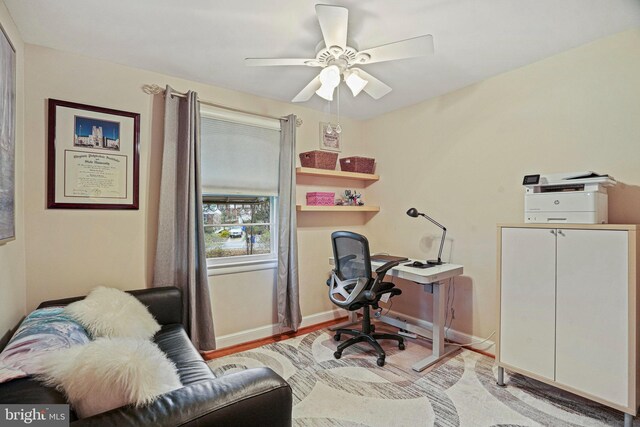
[{"x": 43, "y": 330}]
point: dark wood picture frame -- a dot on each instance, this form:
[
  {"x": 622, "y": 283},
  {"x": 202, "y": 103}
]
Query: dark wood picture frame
[
  {"x": 106, "y": 148},
  {"x": 7, "y": 139}
]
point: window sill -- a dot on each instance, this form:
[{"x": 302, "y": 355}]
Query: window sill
[{"x": 219, "y": 268}]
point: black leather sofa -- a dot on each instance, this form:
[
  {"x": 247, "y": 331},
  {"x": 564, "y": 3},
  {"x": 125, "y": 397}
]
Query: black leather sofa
[{"x": 254, "y": 397}]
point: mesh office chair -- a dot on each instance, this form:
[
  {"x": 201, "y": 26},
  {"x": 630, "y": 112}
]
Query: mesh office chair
[{"x": 352, "y": 287}]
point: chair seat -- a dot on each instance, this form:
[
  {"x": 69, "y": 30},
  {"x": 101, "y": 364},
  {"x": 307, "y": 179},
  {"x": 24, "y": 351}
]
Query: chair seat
[{"x": 385, "y": 288}]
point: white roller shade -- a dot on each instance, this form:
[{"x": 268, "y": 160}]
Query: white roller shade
[{"x": 239, "y": 158}]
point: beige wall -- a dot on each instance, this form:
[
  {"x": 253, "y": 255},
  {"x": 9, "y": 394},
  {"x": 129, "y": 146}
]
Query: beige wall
[
  {"x": 461, "y": 158},
  {"x": 71, "y": 251},
  {"x": 12, "y": 254}
]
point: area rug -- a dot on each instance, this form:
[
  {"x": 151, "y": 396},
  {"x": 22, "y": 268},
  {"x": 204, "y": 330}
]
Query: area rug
[{"x": 459, "y": 391}]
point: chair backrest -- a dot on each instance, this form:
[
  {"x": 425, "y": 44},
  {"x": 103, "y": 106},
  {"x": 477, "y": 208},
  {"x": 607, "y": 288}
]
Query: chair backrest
[{"x": 351, "y": 255}]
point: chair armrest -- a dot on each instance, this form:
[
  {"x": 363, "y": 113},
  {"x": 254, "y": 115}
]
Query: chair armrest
[
  {"x": 387, "y": 266},
  {"x": 380, "y": 273},
  {"x": 346, "y": 258},
  {"x": 164, "y": 303},
  {"x": 248, "y": 398}
]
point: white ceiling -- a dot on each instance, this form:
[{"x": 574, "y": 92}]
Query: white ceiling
[{"x": 207, "y": 40}]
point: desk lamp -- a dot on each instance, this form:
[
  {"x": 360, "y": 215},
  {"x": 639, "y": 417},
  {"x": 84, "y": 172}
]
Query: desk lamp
[{"x": 413, "y": 212}]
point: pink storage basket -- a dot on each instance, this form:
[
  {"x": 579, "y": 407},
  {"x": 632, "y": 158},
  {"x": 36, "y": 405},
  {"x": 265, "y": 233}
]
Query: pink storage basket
[{"x": 318, "y": 198}]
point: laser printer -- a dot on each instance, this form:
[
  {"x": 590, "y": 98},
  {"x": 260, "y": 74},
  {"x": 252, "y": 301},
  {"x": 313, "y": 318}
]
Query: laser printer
[{"x": 572, "y": 198}]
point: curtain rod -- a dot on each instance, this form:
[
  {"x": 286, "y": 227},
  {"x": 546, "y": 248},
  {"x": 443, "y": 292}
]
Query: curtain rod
[{"x": 154, "y": 89}]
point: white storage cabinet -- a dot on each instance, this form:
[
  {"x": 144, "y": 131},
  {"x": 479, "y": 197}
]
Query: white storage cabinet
[{"x": 568, "y": 309}]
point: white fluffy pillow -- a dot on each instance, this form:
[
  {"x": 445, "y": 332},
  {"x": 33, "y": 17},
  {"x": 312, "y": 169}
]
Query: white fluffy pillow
[
  {"x": 109, "y": 312},
  {"x": 109, "y": 373}
]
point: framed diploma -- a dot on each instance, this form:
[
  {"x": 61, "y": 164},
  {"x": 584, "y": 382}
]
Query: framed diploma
[{"x": 93, "y": 158}]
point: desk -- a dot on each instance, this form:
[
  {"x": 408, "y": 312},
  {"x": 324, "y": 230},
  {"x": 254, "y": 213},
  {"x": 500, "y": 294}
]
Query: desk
[{"x": 434, "y": 281}]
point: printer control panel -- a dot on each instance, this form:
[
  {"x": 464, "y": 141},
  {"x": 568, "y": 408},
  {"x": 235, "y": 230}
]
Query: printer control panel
[{"x": 531, "y": 179}]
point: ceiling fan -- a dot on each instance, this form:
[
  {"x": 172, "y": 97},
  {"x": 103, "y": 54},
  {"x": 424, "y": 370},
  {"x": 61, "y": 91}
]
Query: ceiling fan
[{"x": 339, "y": 58}]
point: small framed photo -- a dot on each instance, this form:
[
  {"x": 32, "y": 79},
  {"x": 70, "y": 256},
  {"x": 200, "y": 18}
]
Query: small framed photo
[
  {"x": 329, "y": 141},
  {"x": 93, "y": 157}
]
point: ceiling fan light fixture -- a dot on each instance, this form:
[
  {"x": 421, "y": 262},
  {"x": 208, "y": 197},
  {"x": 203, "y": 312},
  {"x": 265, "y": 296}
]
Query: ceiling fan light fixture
[
  {"x": 326, "y": 92},
  {"x": 330, "y": 79},
  {"x": 336, "y": 54},
  {"x": 354, "y": 81}
]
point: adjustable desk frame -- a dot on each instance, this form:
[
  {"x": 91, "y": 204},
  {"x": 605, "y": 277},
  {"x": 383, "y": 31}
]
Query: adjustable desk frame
[{"x": 434, "y": 281}]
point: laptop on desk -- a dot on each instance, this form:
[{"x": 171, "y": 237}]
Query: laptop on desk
[{"x": 387, "y": 258}]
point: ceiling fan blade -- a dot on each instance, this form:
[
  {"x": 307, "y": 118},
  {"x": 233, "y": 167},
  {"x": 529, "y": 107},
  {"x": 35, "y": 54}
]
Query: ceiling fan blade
[
  {"x": 268, "y": 62},
  {"x": 308, "y": 91},
  {"x": 333, "y": 23},
  {"x": 374, "y": 87},
  {"x": 410, "y": 48}
]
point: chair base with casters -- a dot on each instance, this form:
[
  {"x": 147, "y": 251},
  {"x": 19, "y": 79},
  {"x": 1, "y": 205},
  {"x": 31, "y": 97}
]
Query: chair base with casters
[{"x": 368, "y": 335}]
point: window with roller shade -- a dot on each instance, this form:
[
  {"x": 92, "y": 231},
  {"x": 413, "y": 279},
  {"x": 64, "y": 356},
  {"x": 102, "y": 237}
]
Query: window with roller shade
[{"x": 240, "y": 156}]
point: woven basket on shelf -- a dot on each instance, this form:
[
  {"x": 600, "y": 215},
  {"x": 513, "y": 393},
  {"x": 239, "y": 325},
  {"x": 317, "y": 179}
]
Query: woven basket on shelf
[
  {"x": 357, "y": 164},
  {"x": 319, "y": 159}
]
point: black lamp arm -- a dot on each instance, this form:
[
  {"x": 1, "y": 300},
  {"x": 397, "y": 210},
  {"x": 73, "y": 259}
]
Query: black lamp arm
[
  {"x": 444, "y": 234},
  {"x": 433, "y": 221}
]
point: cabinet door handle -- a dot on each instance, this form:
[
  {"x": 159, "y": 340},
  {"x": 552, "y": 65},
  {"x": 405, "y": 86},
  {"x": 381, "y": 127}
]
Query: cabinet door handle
[
  {"x": 553, "y": 232},
  {"x": 560, "y": 233}
]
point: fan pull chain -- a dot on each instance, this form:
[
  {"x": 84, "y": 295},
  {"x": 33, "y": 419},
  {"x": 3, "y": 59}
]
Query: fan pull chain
[
  {"x": 329, "y": 128},
  {"x": 338, "y": 127}
]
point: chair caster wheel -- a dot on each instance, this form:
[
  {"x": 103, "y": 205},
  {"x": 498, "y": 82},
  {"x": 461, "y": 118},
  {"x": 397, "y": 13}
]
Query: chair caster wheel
[
  {"x": 401, "y": 346},
  {"x": 380, "y": 361},
  {"x": 337, "y": 355},
  {"x": 336, "y": 337}
]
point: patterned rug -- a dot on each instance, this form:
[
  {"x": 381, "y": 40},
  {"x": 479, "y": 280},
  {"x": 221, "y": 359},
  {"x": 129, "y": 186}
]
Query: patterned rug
[{"x": 460, "y": 391}]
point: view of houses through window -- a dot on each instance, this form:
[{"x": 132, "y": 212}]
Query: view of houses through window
[{"x": 238, "y": 226}]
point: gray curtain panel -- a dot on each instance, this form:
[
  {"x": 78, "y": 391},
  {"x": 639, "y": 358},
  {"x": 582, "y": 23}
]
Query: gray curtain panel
[
  {"x": 180, "y": 254},
  {"x": 288, "y": 297}
]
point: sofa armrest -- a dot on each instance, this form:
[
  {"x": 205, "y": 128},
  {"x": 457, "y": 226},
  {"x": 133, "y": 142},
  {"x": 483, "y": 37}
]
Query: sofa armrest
[
  {"x": 254, "y": 397},
  {"x": 164, "y": 303}
]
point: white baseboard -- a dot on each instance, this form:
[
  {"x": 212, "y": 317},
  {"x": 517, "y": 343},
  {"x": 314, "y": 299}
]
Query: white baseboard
[
  {"x": 453, "y": 335},
  {"x": 274, "y": 329}
]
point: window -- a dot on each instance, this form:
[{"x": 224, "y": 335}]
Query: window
[
  {"x": 240, "y": 156},
  {"x": 239, "y": 226}
]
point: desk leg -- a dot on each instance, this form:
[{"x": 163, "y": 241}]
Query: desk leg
[
  {"x": 439, "y": 348},
  {"x": 352, "y": 320}
]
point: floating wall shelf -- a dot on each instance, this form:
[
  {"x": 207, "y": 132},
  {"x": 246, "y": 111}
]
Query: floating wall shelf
[
  {"x": 307, "y": 208},
  {"x": 301, "y": 171}
]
